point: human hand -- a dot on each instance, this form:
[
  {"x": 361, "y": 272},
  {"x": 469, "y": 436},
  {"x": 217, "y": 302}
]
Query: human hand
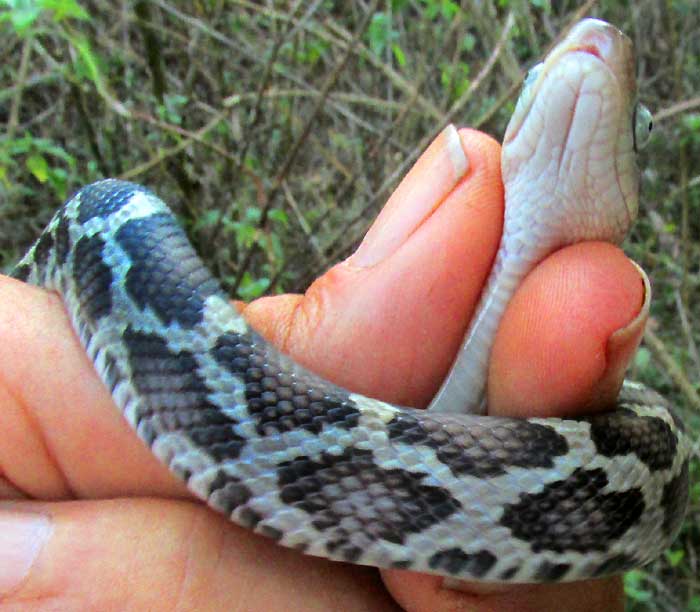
[{"x": 386, "y": 322}]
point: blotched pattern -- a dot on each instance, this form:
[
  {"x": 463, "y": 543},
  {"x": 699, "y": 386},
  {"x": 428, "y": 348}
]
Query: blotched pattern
[{"x": 324, "y": 471}]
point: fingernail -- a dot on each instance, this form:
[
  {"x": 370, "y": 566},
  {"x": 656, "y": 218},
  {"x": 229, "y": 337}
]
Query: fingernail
[
  {"x": 423, "y": 189},
  {"x": 22, "y": 537},
  {"x": 624, "y": 342}
]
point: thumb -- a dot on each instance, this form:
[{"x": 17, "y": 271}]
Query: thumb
[
  {"x": 406, "y": 295},
  {"x": 157, "y": 554}
]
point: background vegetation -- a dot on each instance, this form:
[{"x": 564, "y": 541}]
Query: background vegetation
[{"x": 277, "y": 129}]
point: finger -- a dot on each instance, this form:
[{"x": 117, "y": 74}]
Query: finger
[
  {"x": 461, "y": 210},
  {"x": 42, "y": 354},
  {"x": 427, "y": 594},
  {"x": 561, "y": 349},
  {"x": 569, "y": 333},
  {"x": 347, "y": 315},
  {"x": 154, "y": 554},
  {"x": 56, "y": 412},
  {"x": 592, "y": 292},
  {"x": 388, "y": 320}
]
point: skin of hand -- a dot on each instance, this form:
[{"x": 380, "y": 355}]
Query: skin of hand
[{"x": 89, "y": 520}]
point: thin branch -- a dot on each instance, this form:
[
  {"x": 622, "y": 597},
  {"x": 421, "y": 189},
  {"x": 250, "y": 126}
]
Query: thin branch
[
  {"x": 677, "y": 109},
  {"x": 21, "y": 80},
  {"x": 401, "y": 169},
  {"x": 671, "y": 367},
  {"x": 296, "y": 147}
]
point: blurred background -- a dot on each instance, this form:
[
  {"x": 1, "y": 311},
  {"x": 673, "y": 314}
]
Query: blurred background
[{"x": 276, "y": 131}]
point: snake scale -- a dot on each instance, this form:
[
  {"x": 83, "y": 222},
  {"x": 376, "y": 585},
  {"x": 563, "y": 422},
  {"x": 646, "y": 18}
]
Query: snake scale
[{"x": 332, "y": 473}]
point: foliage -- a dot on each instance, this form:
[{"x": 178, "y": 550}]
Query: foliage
[{"x": 210, "y": 106}]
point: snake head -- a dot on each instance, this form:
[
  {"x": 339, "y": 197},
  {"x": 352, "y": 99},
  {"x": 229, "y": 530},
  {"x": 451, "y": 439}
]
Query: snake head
[{"x": 569, "y": 152}]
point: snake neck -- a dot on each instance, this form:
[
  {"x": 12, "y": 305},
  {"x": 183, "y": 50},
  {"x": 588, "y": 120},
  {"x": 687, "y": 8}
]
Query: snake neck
[{"x": 464, "y": 388}]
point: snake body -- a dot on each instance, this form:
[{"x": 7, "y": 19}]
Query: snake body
[{"x": 332, "y": 473}]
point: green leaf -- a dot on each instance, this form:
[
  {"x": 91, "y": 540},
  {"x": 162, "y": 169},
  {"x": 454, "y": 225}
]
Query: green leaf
[
  {"x": 279, "y": 216},
  {"x": 634, "y": 582},
  {"x": 88, "y": 59},
  {"x": 21, "y": 14},
  {"x": 63, "y": 9},
  {"x": 251, "y": 288},
  {"x": 245, "y": 234},
  {"x": 4, "y": 178},
  {"x": 674, "y": 557},
  {"x": 38, "y": 166},
  {"x": 253, "y": 214},
  {"x": 380, "y": 33},
  {"x": 399, "y": 55},
  {"x": 468, "y": 42},
  {"x": 642, "y": 358},
  {"x": 449, "y": 9},
  {"x": 209, "y": 218},
  {"x": 695, "y": 492},
  {"x": 542, "y": 4}
]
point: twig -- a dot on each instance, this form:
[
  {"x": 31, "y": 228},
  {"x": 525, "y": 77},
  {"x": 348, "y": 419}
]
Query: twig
[
  {"x": 687, "y": 331},
  {"x": 153, "y": 55},
  {"x": 197, "y": 136},
  {"x": 256, "y": 112},
  {"x": 417, "y": 150},
  {"x": 677, "y": 109},
  {"x": 21, "y": 80},
  {"x": 674, "y": 371},
  {"x": 86, "y": 122},
  {"x": 483, "y": 73},
  {"x": 291, "y": 155}
]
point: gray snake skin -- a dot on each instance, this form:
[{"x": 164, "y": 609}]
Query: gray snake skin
[{"x": 331, "y": 473}]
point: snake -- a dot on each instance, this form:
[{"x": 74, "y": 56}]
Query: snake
[{"x": 450, "y": 490}]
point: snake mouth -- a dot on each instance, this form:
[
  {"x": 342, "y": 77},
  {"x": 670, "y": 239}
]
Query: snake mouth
[
  {"x": 590, "y": 49},
  {"x": 576, "y": 107},
  {"x": 592, "y": 42}
]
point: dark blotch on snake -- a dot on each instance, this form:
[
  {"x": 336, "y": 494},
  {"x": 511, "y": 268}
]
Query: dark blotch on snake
[
  {"x": 280, "y": 395},
  {"x": 509, "y": 573},
  {"x": 22, "y": 272},
  {"x": 402, "y": 564},
  {"x": 674, "y": 500},
  {"x": 166, "y": 274},
  {"x": 93, "y": 277},
  {"x": 176, "y": 396},
  {"x": 632, "y": 395},
  {"x": 111, "y": 372},
  {"x": 226, "y": 493},
  {"x": 615, "y": 565},
  {"x": 249, "y": 517},
  {"x": 42, "y": 248},
  {"x": 352, "y": 497},
  {"x": 551, "y": 572},
  {"x": 271, "y": 532},
  {"x": 62, "y": 239},
  {"x": 103, "y": 198},
  {"x": 624, "y": 431},
  {"x": 349, "y": 554},
  {"x": 574, "y": 514},
  {"x": 483, "y": 449},
  {"x": 457, "y": 562}
]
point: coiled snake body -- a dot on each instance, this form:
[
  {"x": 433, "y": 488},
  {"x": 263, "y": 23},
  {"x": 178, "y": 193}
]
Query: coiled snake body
[{"x": 336, "y": 474}]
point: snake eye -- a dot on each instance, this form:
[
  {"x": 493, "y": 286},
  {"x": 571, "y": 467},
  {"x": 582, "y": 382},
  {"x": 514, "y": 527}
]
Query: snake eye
[
  {"x": 642, "y": 126},
  {"x": 525, "y": 92},
  {"x": 532, "y": 75}
]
